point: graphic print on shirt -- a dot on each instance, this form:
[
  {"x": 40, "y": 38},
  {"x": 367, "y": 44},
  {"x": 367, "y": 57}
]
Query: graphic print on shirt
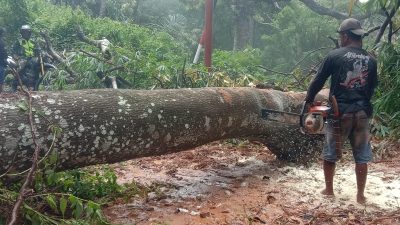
[{"x": 357, "y": 77}]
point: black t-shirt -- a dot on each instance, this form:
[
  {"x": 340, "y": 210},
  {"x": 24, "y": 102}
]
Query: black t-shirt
[{"x": 353, "y": 79}]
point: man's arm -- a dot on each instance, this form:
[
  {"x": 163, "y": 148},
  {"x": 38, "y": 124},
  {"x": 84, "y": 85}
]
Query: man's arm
[{"x": 316, "y": 85}]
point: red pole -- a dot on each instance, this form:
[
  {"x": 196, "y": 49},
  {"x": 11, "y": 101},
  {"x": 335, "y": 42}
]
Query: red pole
[{"x": 208, "y": 34}]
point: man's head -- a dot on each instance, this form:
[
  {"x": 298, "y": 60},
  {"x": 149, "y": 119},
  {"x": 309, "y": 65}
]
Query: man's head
[
  {"x": 26, "y": 32},
  {"x": 350, "y": 31}
]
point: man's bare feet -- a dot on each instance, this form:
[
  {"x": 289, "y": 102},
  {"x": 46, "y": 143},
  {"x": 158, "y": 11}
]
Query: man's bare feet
[
  {"x": 361, "y": 199},
  {"x": 327, "y": 193}
]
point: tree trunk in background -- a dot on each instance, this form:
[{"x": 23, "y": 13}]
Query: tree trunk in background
[
  {"x": 136, "y": 15},
  {"x": 107, "y": 126},
  {"x": 102, "y": 7},
  {"x": 243, "y": 30}
]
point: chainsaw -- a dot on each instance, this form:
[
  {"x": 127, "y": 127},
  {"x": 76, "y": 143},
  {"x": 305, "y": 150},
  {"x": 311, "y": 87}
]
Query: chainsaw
[{"x": 313, "y": 121}]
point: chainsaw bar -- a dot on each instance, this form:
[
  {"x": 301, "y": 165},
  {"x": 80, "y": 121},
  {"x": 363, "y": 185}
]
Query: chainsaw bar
[{"x": 280, "y": 116}]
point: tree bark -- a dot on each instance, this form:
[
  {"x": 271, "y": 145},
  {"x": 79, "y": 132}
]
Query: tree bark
[{"x": 107, "y": 126}]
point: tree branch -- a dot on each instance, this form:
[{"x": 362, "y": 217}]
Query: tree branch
[
  {"x": 388, "y": 19},
  {"x": 35, "y": 157},
  {"x": 314, "y": 6},
  {"x": 56, "y": 56}
]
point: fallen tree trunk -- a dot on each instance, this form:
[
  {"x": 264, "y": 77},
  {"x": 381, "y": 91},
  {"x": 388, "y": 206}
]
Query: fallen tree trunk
[{"x": 107, "y": 126}]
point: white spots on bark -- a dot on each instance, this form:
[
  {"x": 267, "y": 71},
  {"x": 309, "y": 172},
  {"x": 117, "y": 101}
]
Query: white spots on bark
[
  {"x": 167, "y": 138},
  {"x": 122, "y": 101},
  {"x": 155, "y": 135},
  {"x": 230, "y": 122},
  {"x": 11, "y": 142},
  {"x": 187, "y": 126},
  {"x": 96, "y": 141},
  {"x": 152, "y": 104},
  {"x": 51, "y": 101},
  {"x": 221, "y": 99},
  {"x": 63, "y": 123},
  {"x": 115, "y": 140},
  {"x": 21, "y": 127},
  {"x": 111, "y": 132},
  {"x": 151, "y": 128},
  {"x": 245, "y": 122},
  {"x": 103, "y": 130},
  {"x": 144, "y": 115},
  {"x": 7, "y": 106},
  {"x": 149, "y": 111},
  {"x": 81, "y": 128},
  {"x": 207, "y": 123},
  {"x": 159, "y": 116},
  {"x": 220, "y": 121}
]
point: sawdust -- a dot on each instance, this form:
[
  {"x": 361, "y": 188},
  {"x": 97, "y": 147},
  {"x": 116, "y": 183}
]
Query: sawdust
[{"x": 246, "y": 184}]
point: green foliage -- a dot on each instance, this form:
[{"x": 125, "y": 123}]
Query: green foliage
[
  {"x": 386, "y": 103},
  {"x": 13, "y": 15},
  {"x": 143, "y": 52},
  {"x": 65, "y": 197},
  {"x": 296, "y": 31},
  {"x": 80, "y": 183}
]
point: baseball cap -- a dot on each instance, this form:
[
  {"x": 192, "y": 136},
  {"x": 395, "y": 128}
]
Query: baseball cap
[
  {"x": 352, "y": 25},
  {"x": 25, "y": 27}
]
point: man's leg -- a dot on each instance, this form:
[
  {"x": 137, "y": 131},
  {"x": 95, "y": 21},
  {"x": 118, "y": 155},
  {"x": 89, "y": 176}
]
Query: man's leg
[
  {"x": 362, "y": 153},
  {"x": 329, "y": 172},
  {"x": 361, "y": 175}
]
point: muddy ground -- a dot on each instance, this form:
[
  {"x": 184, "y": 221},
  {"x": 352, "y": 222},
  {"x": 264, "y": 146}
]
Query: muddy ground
[{"x": 223, "y": 183}]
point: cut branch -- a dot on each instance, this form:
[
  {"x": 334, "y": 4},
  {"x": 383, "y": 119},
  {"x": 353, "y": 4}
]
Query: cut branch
[{"x": 31, "y": 174}]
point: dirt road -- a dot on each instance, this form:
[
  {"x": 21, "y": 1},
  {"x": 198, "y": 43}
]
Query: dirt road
[{"x": 234, "y": 184}]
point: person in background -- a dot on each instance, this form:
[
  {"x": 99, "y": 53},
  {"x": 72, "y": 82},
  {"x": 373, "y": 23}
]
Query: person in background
[
  {"x": 353, "y": 73},
  {"x": 24, "y": 52},
  {"x": 3, "y": 58}
]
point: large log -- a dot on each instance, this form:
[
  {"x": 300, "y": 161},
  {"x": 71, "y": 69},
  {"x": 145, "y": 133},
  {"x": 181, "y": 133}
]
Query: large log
[{"x": 107, "y": 126}]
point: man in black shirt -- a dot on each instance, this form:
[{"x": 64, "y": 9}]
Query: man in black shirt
[
  {"x": 3, "y": 58},
  {"x": 353, "y": 75}
]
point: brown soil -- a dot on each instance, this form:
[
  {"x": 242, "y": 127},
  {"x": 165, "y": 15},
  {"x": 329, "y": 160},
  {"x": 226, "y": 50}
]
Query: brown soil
[{"x": 223, "y": 183}]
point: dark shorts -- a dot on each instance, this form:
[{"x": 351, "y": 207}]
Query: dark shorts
[
  {"x": 2, "y": 74},
  {"x": 355, "y": 128}
]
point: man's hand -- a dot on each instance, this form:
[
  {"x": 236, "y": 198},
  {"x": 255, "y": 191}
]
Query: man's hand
[{"x": 306, "y": 107}]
